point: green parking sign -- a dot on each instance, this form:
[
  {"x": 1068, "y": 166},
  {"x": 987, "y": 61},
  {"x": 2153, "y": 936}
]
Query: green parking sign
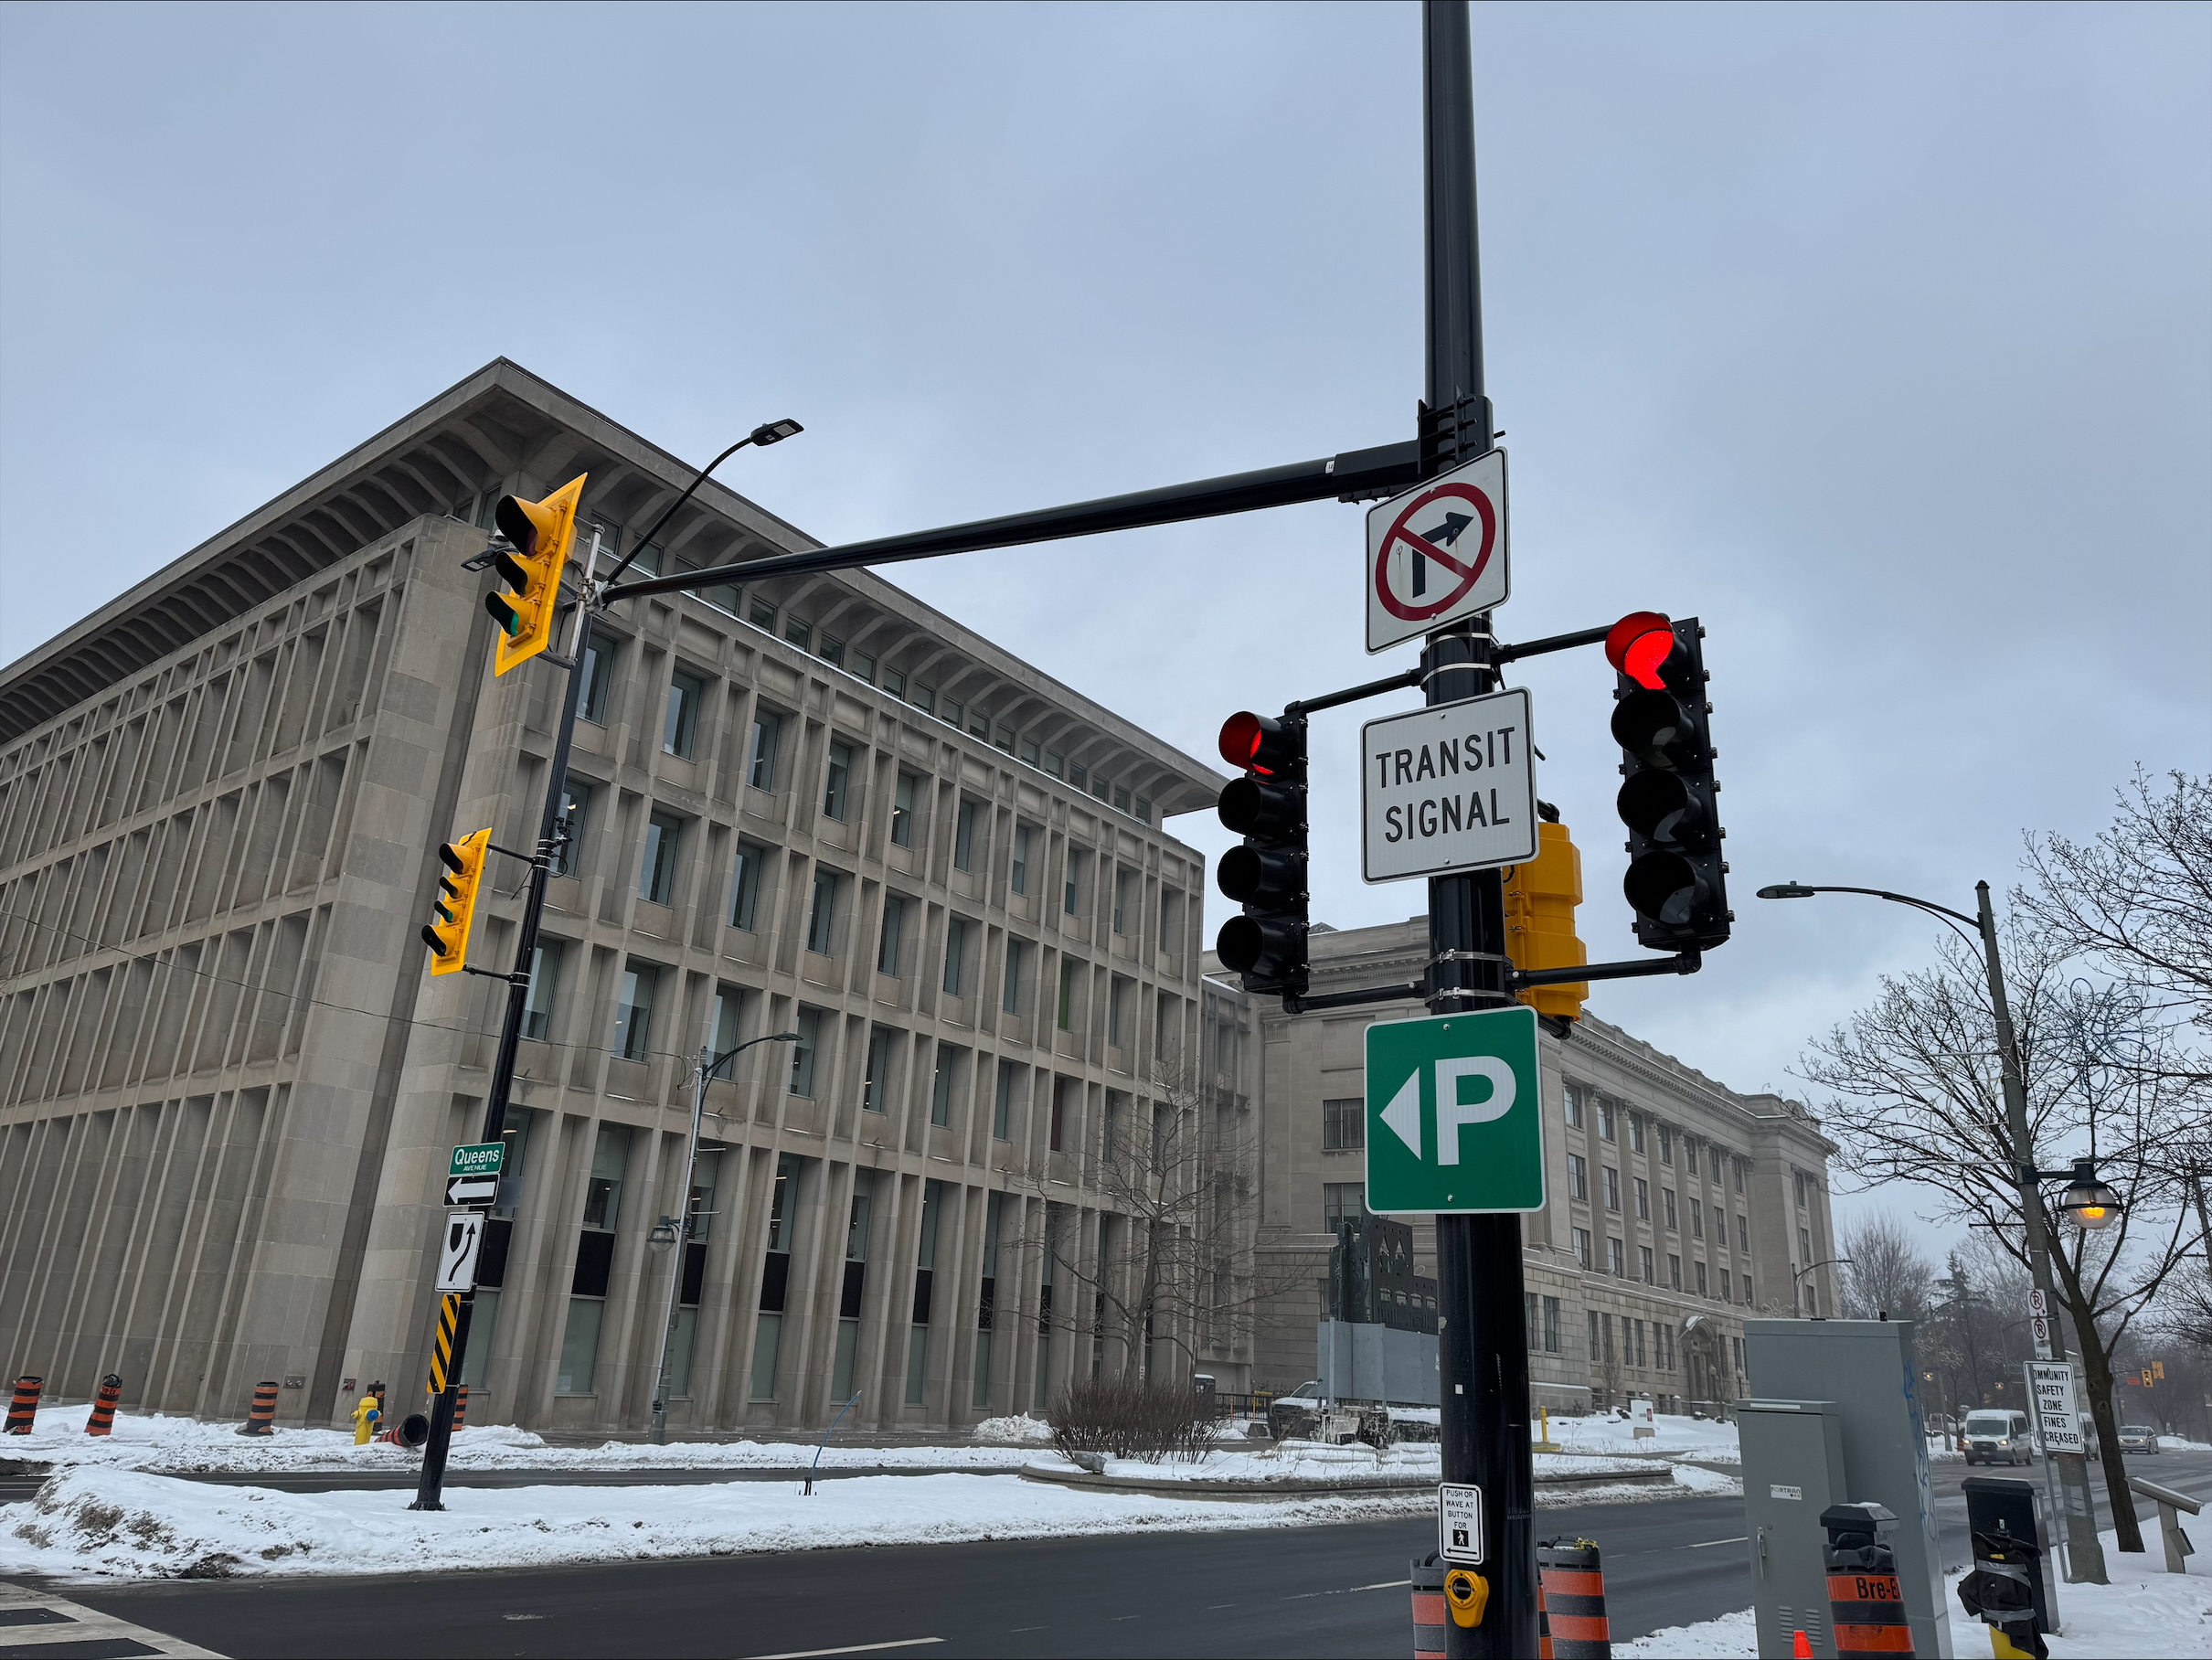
[{"x": 1454, "y": 1114}]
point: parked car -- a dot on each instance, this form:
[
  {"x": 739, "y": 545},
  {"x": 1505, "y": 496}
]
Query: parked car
[
  {"x": 1297, "y": 1413},
  {"x": 2138, "y": 1438},
  {"x": 1996, "y": 1436}
]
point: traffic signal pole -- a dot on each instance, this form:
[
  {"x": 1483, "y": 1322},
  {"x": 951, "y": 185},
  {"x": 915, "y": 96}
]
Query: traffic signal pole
[{"x": 1483, "y": 1338}]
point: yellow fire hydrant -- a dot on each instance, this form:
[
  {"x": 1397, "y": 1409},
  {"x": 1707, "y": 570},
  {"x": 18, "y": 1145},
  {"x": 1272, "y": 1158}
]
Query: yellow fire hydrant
[{"x": 365, "y": 1420}]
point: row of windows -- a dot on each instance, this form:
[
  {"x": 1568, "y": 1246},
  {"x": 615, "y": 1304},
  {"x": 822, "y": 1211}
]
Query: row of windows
[
  {"x": 1578, "y": 1187},
  {"x": 1585, "y": 1108},
  {"x": 1647, "y": 1268}
]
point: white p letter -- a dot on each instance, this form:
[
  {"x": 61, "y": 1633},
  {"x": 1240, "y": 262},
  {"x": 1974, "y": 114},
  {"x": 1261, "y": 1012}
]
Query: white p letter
[{"x": 1450, "y": 1115}]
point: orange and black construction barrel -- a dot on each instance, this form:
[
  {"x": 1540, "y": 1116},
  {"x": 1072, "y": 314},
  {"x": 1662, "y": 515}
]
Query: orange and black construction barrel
[
  {"x": 1866, "y": 1605},
  {"x": 411, "y": 1432},
  {"x": 261, "y": 1417},
  {"x": 1572, "y": 1585},
  {"x": 461, "y": 1406},
  {"x": 24, "y": 1408},
  {"x": 102, "y": 1420},
  {"x": 1429, "y": 1617}
]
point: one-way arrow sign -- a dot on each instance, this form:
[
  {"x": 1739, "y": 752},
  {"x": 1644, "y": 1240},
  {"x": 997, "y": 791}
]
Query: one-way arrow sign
[{"x": 1453, "y": 1115}]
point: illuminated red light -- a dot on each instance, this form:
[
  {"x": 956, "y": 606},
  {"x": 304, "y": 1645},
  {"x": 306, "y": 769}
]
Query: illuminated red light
[
  {"x": 1638, "y": 645},
  {"x": 1240, "y": 735}
]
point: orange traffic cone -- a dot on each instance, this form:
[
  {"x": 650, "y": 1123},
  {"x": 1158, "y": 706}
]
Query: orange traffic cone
[{"x": 1801, "y": 1648}]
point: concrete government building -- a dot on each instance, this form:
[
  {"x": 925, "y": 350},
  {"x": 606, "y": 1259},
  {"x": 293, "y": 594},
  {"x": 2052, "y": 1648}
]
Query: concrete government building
[{"x": 228, "y": 1084}]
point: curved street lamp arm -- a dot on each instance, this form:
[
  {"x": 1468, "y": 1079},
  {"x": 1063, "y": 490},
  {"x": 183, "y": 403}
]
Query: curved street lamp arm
[
  {"x": 716, "y": 1064},
  {"x": 766, "y": 433},
  {"x": 1825, "y": 1262},
  {"x": 1800, "y": 889}
]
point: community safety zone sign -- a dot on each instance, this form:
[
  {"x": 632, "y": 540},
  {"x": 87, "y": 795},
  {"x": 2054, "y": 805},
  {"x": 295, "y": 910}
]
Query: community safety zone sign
[{"x": 1449, "y": 788}]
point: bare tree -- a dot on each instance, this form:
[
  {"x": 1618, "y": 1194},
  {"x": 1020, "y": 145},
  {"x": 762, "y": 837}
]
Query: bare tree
[
  {"x": 1885, "y": 1272},
  {"x": 1177, "y": 1167},
  {"x": 1917, "y": 1097}
]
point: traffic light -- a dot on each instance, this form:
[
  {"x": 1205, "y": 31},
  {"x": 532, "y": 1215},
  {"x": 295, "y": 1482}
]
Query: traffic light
[
  {"x": 1267, "y": 875},
  {"x": 541, "y": 532},
  {"x": 1668, "y": 795},
  {"x": 1540, "y": 899},
  {"x": 455, "y": 905}
]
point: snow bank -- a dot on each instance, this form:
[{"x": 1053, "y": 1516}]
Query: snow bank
[
  {"x": 1701, "y": 1437},
  {"x": 1313, "y": 1461},
  {"x": 95, "y": 1522},
  {"x": 2144, "y": 1612},
  {"x": 1021, "y": 1428},
  {"x": 153, "y": 1441},
  {"x": 1707, "y": 1481}
]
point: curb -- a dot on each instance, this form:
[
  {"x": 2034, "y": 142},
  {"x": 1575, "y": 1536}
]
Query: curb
[{"x": 1304, "y": 1487}]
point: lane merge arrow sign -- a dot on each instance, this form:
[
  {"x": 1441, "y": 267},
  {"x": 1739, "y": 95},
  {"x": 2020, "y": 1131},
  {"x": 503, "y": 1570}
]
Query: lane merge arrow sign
[
  {"x": 1454, "y": 1115},
  {"x": 457, "y": 1250},
  {"x": 1437, "y": 553},
  {"x": 473, "y": 1176}
]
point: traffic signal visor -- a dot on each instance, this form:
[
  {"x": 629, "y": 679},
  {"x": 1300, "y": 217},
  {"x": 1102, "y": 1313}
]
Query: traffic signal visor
[
  {"x": 1639, "y": 645},
  {"x": 542, "y": 533},
  {"x": 455, "y": 908}
]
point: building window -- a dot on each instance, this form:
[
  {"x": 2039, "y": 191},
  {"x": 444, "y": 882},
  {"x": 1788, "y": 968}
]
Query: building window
[
  {"x": 745, "y": 885},
  {"x": 1117, "y": 1012},
  {"x": 592, "y": 676},
  {"x": 1030, "y": 753},
  {"x": 956, "y": 955},
  {"x": 1067, "y": 1014},
  {"x": 1010, "y": 998},
  {"x": 763, "y": 616},
  {"x": 875, "y": 1083},
  {"x": 1342, "y": 1202},
  {"x": 1002, "y": 1103},
  {"x": 1697, "y": 1220},
  {"x": 1605, "y": 1120},
  {"x": 1667, "y": 1145},
  {"x": 800, "y": 632},
  {"x": 1344, "y": 1125},
  {"x": 1635, "y": 1132},
  {"x": 940, "y": 1085},
  {"x": 1743, "y": 1232},
  {"x": 1674, "y": 1271},
  {"x": 1056, "y": 1129},
  {"x": 1805, "y": 1244},
  {"x": 1666, "y": 1210},
  {"x": 809, "y": 1027},
  {"x": 1726, "y": 1295},
  {"x": 1582, "y": 1247},
  {"x": 1616, "y": 1258},
  {"x": 979, "y": 726},
  {"x": 1551, "y": 1325},
  {"x": 964, "y": 835},
  {"x": 1574, "y": 1106},
  {"x": 924, "y": 697},
  {"x": 1649, "y": 1264},
  {"x": 657, "y": 876},
  {"x": 1701, "y": 1285},
  {"x": 760, "y": 768},
  {"x": 1025, "y": 838},
  {"x": 1797, "y": 1178},
  {"x": 1125, "y": 883},
  {"x": 831, "y": 650},
  {"x": 1612, "y": 1189},
  {"x": 836, "y": 787},
  {"x": 680, "y": 720},
  {"x": 575, "y": 807},
  {"x": 949, "y": 713},
  {"x": 1072, "y": 888},
  {"x": 1736, "y": 1171},
  {"x": 822, "y": 916},
  {"x": 728, "y": 1018},
  {"x": 893, "y": 925},
  {"x": 895, "y": 683},
  {"x": 633, "y": 1013},
  {"x": 1577, "y": 1177},
  {"x": 1643, "y": 1200},
  {"x": 902, "y": 810},
  {"x": 1120, "y": 798},
  {"x": 594, "y": 1260},
  {"x": 1713, "y": 1156},
  {"x": 545, "y": 983},
  {"x": 863, "y": 667}
]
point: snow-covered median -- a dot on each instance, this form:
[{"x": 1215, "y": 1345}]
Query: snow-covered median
[
  {"x": 1606, "y": 1432},
  {"x": 153, "y": 1441},
  {"x": 2144, "y": 1612},
  {"x": 96, "y": 1522}
]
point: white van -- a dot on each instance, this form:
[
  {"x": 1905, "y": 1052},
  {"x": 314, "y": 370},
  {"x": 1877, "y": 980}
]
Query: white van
[{"x": 1994, "y": 1436}]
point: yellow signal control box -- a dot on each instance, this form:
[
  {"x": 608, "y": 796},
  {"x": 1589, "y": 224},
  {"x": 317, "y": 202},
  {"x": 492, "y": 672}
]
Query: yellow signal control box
[{"x": 1540, "y": 899}]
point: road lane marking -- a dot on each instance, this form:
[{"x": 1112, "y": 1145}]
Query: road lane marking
[
  {"x": 850, "y": 1648},
  {"x": 1384, "y": 1585},
  {"x": 1741, "y": 1538}
]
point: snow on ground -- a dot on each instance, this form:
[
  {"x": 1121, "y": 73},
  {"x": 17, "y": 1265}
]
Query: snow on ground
[
  {"x": 1313, "y": 1461},
  {"x": 1707, "y": 1481},
  {"x": 153, "y": 1441},
  {"x": 1022, "y": 1426},
  {"x": 1604, "y": 1433},
  {"x": 90, "y": 1522},
  {"x": 2144, "y": 1612},
  {"x": 2182, "y": 1443}
]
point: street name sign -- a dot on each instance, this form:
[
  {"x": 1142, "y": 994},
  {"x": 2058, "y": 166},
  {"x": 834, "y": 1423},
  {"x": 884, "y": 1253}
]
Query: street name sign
[
  {"x": 1454, "y": 1117},
  {"x": 473, "y": 1176},
  {"x": 1459, "y": 1523},
  {"x": 2056, "y": 1406},
  {"x": 457, "y": 1250},
  {"x": 1449, "y": 788},
  {"x": 1437, "y": 553}
]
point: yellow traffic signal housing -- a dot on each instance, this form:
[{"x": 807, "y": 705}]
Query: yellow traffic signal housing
[
  {"x": 455, "y": 906},
  {"x": 1540, "y": 899},
  {"x": 542, "y": 533}
]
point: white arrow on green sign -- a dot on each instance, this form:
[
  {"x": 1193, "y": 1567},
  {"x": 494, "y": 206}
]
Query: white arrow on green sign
[{"x": 1454, "y": 1119}]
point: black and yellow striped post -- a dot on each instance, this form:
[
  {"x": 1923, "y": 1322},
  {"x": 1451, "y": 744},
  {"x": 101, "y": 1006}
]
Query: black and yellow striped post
[
  {"x": 447, "y": 1347},
  {"x": 442, "y": 1347}
]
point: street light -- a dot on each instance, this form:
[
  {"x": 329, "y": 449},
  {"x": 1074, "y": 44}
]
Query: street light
[
  {"x": 2088, "y": 1200},
  {"x": 670, "y": 1229},
  {"x": 2085, "y": 1554},
  {"x": 1796, "y": 1290}
]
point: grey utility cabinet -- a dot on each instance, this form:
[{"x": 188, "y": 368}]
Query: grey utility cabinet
[
  {"x": 1866, "y": 1367},
  {"x": 1792, "y": 1470}
]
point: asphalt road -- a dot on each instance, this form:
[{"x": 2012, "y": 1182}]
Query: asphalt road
[{"x": 1326, "y": 1590}]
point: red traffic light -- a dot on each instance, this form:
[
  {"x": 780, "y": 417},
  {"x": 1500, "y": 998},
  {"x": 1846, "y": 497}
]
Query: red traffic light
[
  {"x": 1260, "y": 743},
  {"x": 1240, "y": 738},
  {"x": 1639, "y": 645}
]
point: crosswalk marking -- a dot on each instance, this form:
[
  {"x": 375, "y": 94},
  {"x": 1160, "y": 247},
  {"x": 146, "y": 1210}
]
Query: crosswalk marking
[{"x": 31, "y": 1619}]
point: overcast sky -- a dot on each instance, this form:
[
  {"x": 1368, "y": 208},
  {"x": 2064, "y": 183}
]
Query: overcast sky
[{"x": 1880, "y": 338}]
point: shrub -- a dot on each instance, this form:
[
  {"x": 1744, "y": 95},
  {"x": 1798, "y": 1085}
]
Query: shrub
[{"x": 1128, "y": 1418}]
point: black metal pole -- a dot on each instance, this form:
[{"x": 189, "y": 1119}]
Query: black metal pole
[{"x": 1482, "y": 1339}]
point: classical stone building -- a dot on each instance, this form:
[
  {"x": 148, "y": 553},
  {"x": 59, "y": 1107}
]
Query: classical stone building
[
  {"x": 1675, "y": 1207},
  {"x": 228, "y": 1084}
]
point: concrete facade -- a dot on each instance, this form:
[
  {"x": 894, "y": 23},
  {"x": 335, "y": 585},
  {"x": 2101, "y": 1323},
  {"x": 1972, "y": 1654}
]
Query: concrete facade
[
  {"x": 1712, "y": 1201},
  {"x": 228, "y": 1083}
]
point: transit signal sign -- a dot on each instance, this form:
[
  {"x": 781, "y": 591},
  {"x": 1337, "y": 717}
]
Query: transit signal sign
[
  {"x": 1449, "y": 788},
  {"x": 1454, "y": 1115},
  {"x": 1437, "y": 553}
]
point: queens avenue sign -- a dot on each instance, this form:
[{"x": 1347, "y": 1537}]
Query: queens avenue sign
[{"x": 1449, "y": 788}]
